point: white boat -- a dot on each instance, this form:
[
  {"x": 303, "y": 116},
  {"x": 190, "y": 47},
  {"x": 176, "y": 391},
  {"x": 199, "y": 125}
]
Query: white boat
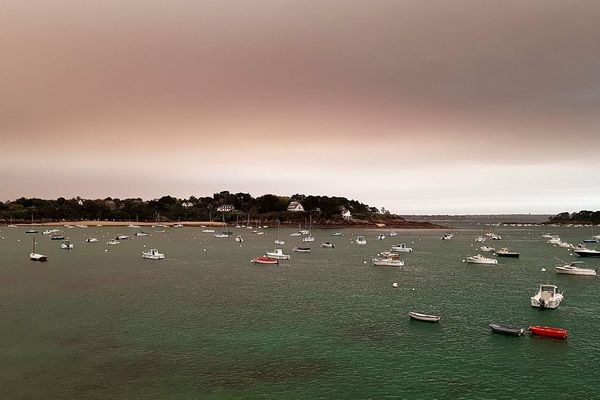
[
  {"x": 447, "y": 236},
  {"x": 277, "y": 254},
  {"x": 239, "y": 239},
  {"x": 547, "y": 236},
  {"x": 81, "y": 226},
  {"x": 424, "y": 317},
  {"x": 208, "y": 231},
  {"x": 381, "y": 236},
  {"x": 393, "y": 234},
  {"x": 583, "y": 251},
  {"x": 304, "y": 232},
  {"x": 91, "y": 240},
  {"x": 479, "y": 259},
  {"x": 401, "y": 248},
  {"x": 387, "y": 262},
  {"x": 565, "y": 245},
  {"x": 33, "y": 256},
  {"x": 573, "y": 269},
  {"x": 493, "y": 236},
  {"x": 302, "y": 249},
  {"x": 178, "y": 226},
  {"x": 360, "y": 240},
  {"x": 222, "y": 235},
  {"x": 308, "y": 239},
  {"x": 296, "y": 234},
  {"x": 153, "y": 254},
  {"x": 142, "y": 234},
  {"x": 487, "y": 249},
  {"x": 554, "y": 240},
  {"x": 113, "y": 242},
  {"x": 328, "y": 245},
  {"x": 277, "y": 240},
  {"x": 66, "y": 245},
  {"x": 480, "y": 239},
  {"x": 337, "y": 234},
  {"x": 547, "y": 297},
  {"x": 122, "y": 237},
  {"x": 50, "y": 231}
]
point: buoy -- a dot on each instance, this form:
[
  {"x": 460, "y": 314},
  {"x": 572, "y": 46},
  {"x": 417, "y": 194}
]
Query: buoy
[
  {"x": 413, "y": 289},
  {"x": 543, "y": 269},
  {"x": 395, "y": 284},
  {"x": 464, "y": 260},
  {"x": 364, "y": 262},
  {"x": 203, "y": 249},
  {"x": 105, "y": 250}
]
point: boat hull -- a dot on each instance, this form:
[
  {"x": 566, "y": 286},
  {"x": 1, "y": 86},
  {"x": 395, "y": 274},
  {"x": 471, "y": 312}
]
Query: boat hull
[
  {"x": 424, "y": 317},
  {"x": 575, "y": 271},
  {"x": 587, "y": 253},
  {"x": 511, "y": 255},
  {"x": 265, "y": 260},
  {"x": 505, "y": 329},
  {"x": 546, "y": 331}
]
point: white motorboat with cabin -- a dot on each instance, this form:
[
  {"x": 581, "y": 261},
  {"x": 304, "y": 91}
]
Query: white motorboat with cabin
[
  {"x": 91, "y": 240},
  {"x": 447, "y": 236},
  {"x": 547, "y": 297},
  {"x": 387, "y": 261},
  {"x": 479, "y": 259},
  {"x": 574, "y": 269},
  {"x": 360, "y": 240},
  {"x": 554, "y": 240},
  {"x": 487, "y": 249},
  {"x": 328, "y": 245},
  {"x": 239, "y": 239},
  {"x": 401, "y": 248},
  {"x": 113, "y": 242},
  {"x": 153, "y": 254},
  {"x": 142, "y": 233},
  {"x": 277, "y": 254},
  {"x": 583, "y": 251},
  {"x": 122, "y": 237},
  {"x": 393, "y": 234},
  {"x": 66, "y": 245}
]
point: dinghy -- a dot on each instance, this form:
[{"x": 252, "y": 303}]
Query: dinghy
[
  {"x": 424, "y": 317},
  {"x": 506, "y": 329},
  {"x": 547, "y": 331}
]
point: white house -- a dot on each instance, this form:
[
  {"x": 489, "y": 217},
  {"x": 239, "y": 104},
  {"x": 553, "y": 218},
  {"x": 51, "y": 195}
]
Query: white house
[
  {"x": 346, "y": 214},
  {"x": 225, "y": 208},
  {"x": 295, "y": 206},
  {"x": 187, "y": 204}
]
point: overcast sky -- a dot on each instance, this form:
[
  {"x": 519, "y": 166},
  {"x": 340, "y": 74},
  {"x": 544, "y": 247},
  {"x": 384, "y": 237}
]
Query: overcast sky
[{"x": 416, "y": 106}]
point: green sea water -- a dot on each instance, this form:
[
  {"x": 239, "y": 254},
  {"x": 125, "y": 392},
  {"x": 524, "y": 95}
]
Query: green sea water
[{"x": 101, "y": 322}]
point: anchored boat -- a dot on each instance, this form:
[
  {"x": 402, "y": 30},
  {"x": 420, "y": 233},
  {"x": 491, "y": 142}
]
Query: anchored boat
[
  {"x": 547, "y": 331},
  {"x": 547, "y": 297},
  {"x": 424, "y": 317},
  {"x": 506, "y": 329}
]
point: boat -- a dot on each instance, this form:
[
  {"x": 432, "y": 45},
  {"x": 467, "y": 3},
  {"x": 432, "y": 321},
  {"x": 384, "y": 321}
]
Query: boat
[
  {"x": 225, "y": 233},
  {"x": 554, "y": 240},
  {"x": 296, "y": 234},
  {"x": 424, "y": 317},
  {"x": 360, "y": 240},
  {"x": 479, "y": 259},
  {"x": 33, "y": 256},
  {"x": 480, "y": 239},
  {"x": 49, "y": 231},
  {"x": 573, "y": 269},
  {"x": 66, "y": 245},
  {"x": 302, "y": 249},
  {"x": 504, "y": 252},
  {"x": 547, "y": 297},
  {"x": 208, "y": 231},
  {"x": 153, "y": 254},
  {"x": 113, "y": 242},
  {"x": 565, "y": 245},
  {"x": 310, "y": 237},
  {"x": 558, "y": 333},
  {"x": 493, "y": 236},
  {"x": 387, "y": 262},
  {"x": 91, "y": 240},
  {"x": 122, "y": 237},
  {"x": 239, "y": 239},
  {"x": 328, "y": 245},
  {"x": 381, "y": 236},
  {"x": 277, "y": 254},
  {"x": 142, "y": 233},
  {"x": 582, "y": 251},
  {"x": 447, "y": 236},
  {"x": 178, "y": 226},
  {"x": 393, "y": 234},
  {"x": 547, "y": 236},
  {"x": 401, "y": 248},
  {"x": 337, "y": 234},
  {"x": 506, "y": 329},
  {"x": 57, "y": 237},
  {"x": 487, "y": 249},
  {"x": 590, "y": 240},
  {"x": 277, "y": 240},
  {"x": 264, "y": 260}
]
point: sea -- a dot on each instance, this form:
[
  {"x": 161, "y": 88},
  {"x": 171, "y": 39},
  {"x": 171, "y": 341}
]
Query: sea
[{"x": 101, "y": 322}]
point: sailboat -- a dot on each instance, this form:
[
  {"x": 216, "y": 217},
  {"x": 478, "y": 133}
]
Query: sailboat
[
  {"x": 33, "y": 256},
  {"x": 277, "y": 240},
  {"x": 225, "y": 233},
  {"x": 594, "y": 238},
  {"x": 310, "y": 237}
]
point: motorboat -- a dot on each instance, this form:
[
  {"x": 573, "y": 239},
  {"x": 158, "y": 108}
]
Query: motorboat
[
  {"x": 91, "y": 240},
  {"x": 387, "y": 262},
  {"x": 558, "y": 333},
  {"x": 328, "y": 245},
  {"x": 66, "y": 245},
  {"x": 493, "y": 236},
  {"x": 279, "y": 241},
  {"x": 573, "y": 269},
  {"x": 223, "y": 235},
  {"x": 360, "y": 240},
  {"x": 590, "y": 240},
  {"x": 277, "y": 254},
  {"x": 583, "y": 251},
  {"x": 401, "y": 248},
  {"x": 113, "y": 242},
  {"x": 302, "y": 249},
  {"x": 337, "y": 234},
  {"x": 178, "y": 226},
  {"x": 424, "y": 317},
  {"x": 547, "y": 236},
  {"x": 487, "y": 249},
  {"x": 480, "y": 239},
  {"x": 308, "y": 239},
  {"x": 208, "y": 231},
  {"x": 239, "y": 239},
  {"x": 479, "y": 259},
  {"x": 33, "y": 256},
  {"x": 264, "y": 260},
  {"x": 142, "y": 233},
  {"x": 57, "y": 237},
  {"x": 547, "y": 297},
  {"x": 393, "y": 234},
  {"x": 31, "y": 231},
  {"x": 554, "y": 240},
  {"x": 153, "y": 254},
  {"x": 49, "y": 231},
  {"x": 381, "y": 236},
  {"x": 122, "y": 237},
  {"x": 447, "y": 236},
  {"x": 296, "y": 234},
  {"x": 565, "y": 245},
  {"x": 506, "y": 329},
  {"x": 505, "y": 252}
]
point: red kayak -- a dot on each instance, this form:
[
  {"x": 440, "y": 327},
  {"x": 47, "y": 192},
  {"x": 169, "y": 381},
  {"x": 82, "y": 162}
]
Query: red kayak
[
  {"x": 265, "y": 260},
  {"x": 549, "y": 332}
]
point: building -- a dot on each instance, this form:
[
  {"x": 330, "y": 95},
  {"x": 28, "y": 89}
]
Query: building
[
  {"x": 346, "y": 214},
  {"x": 225, "y": 208},
  {"x": 187, "y": 204},
  {"x": 295, "y": 206}
]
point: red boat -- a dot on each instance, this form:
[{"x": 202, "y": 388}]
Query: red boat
[
  {"x": 265, "y": 260},
  {"x": 548, "y": 331}
]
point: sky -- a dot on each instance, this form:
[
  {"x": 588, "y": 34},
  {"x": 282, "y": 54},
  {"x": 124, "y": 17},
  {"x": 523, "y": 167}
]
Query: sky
[{"x": 421, "y": 107}]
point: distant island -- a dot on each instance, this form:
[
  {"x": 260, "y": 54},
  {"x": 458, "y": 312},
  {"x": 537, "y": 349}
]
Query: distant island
[
  {"x": 582, "y": 217},
  {"x": 232, "y": 208}
]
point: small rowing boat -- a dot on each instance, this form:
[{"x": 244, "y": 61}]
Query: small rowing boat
[
  {"x": 424, "y": 317},
  {"x": 547, "y": 331},
  {"x": 264, "y": 260},
  {"x": 507, "y": 329}
]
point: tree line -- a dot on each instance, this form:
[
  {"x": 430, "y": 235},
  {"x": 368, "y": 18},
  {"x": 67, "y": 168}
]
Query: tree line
[
  {"x": 581, "y": 217},
  {"x": 268, "y": 207}
]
